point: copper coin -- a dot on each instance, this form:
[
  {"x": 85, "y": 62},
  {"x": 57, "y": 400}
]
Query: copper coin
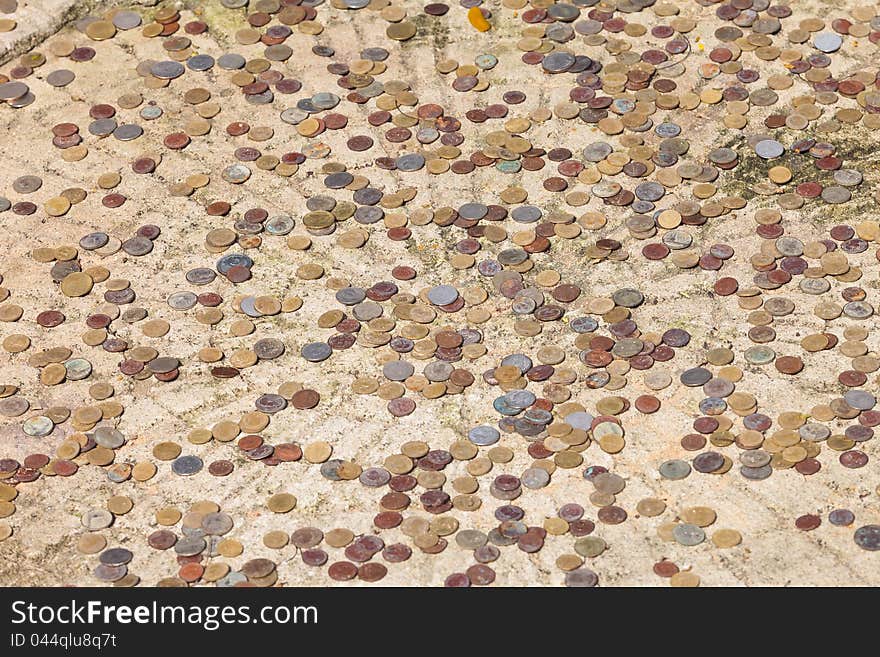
[
  {"x": 808, "y": 522},
  {"x": 342, "y": 571}
]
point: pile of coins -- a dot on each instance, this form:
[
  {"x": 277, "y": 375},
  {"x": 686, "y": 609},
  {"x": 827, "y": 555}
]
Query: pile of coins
[{"x": 501, "y": 283}]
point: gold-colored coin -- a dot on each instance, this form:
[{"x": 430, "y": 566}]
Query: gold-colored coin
[
  {"x": 684, "y": 579},
  {"x": 726, "y": 538},
  {"x": 120, "y": 505},
  {"x": 100, "y": 30},
  {"x": 281, "y": 502},
  {"x": 651, "y": 507}
]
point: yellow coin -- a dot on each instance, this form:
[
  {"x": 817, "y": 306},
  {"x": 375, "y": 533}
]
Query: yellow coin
[
  {"x": 684, "y": 579},
  {"x": 651, "y": 507},
  {"x": 57, "y": 206},
  {"x": 317, "y": 452},
  {"x": 100, "y": 30},
  {"x": 119, "y": 505},
  {"x": 76, "y": 284},
  {"x": 726, "y": 538},
  {"x": 702, "y": 516},
  {"x": 229, "y": 547},
  {"x": 16, "y": 343},
  {"x": 8, "y": 493},
  {"x": 568, "y": 562},
  {"x": 275, "y": 540},
  {"x": 339, "y": 537},
  {"x": 281, "y": 502},
  {"x": 168, "y": 516},
  {"x": 91, "y": 543},
  {"x": 167, "y": 451},
  {"x": 779, "y": 174},
  {"x": 215, "y": 570},
  {"x": 143, "y": 471}
]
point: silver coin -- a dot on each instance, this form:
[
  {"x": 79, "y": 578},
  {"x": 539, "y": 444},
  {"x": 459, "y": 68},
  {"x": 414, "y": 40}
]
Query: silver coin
[
  {"x": 186, "y": 465},
  {"x": 248, "y": 307},
  {"x": 60, "y": 78},
  {"x": 182, "y": 300},
  {"x": 580, "y": 420},
  {"x": 827, "y": 42},
  {"x": 325, "y": 100},
  {"x": 280, "y": 224},
  {"x": 410, "y": 162},
  {"x": 236, "y": 174},
  {"x": 848, "y": 177},
  {"x": 115, "y": 556},
  {"x": 13, "y": 406},
  {"x": 110, "y": 573},
  {"x": 814, "y": 432},
  {"x": 675, "y": 469},
  {"x": 217, "y": 523},
  {"x": 108, "y": 437},
  {"x": 442, "y": 295},
  {"x": 128, "y": 131},
  {"x": 557, "y": 62},
  {"x": 167, "y": 70},
  {"x": 814, "y": 285},
  {"x": 163, "y": 364},
  {"x": 268, "y": 348},
  {"x": 484, "y": 435},
  {"x": 535, "y": 478},
  {"x": 200, "y": 63},
  {"x": 270, "y": 403},
  {"x": 688, "y": 534},
  {"x": 756, "y": 474},
  {"x": 315, "y": 352},
  {"x": 263, "y": 98},
  {"x": 836, "y": 194},
  {"x": 234, "y": 577},
  {"x": 526, "y": 214},
  {"x": 23, "y": 101},
  {"x": 126, "y": 20},
  {"x": 137, "y": 246},
  {"x": 397, "y": 370},
  {"x": 200, "y": 276},
  {"x": 189, "y": 546},
  {"x": 769, "y": 149},
  {"x": 94, "y": 241},
  {"x": 867, "y": 537},
  {"x": 755, "y": 458},
  {"x": 438, "y": 371},
  {"x": 374, "y": 477},
  {"x": 294, "y": 115},
  {"x": 39, "y": 426},
  {"x": 367, "y": 311},
  {"x": 860, "y": 399},
  {"x": 27, "y": 184},
  {"x": 471, "y": 539},
  {"x": 95, "y": 519},
  {"x": 78, "y": 369},
  {"x": 13, "y": 90},
  {"x": 102, "y": 127},
  {"x": 232, "y": 61}
]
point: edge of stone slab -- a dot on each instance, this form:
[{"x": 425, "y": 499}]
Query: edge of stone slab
[{"x": 43, "y": 18}]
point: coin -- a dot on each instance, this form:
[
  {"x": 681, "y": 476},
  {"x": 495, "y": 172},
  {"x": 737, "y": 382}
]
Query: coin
[{"x": 545, "y": 300}]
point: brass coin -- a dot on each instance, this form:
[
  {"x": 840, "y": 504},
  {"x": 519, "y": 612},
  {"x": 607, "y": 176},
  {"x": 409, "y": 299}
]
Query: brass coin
[
  {"x": 726, "y": 538},
  {"x": 281, "y": 502}
]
